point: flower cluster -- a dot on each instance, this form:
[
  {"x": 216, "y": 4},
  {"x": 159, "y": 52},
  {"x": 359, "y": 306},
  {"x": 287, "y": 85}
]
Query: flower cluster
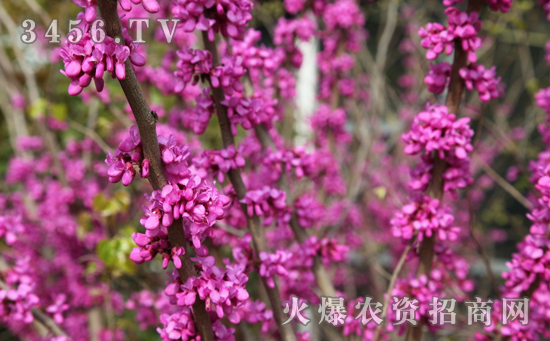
[
  {"x": 174, "y": 157},
  {"x": 249, "y": 112},
  {"x": 308, "y": 210},
  {"x": 274, "y": 263},
  {"x": 257, "y": 58},
  {"x": 328, "y": 248},
  {"x": 222, "y": 290},
  {"x": 543, "y": 99},
  {"x": 437, "y": 130},
  {"x": 221, "y": 161},
  {"x": 424, "y": 217},
  {"x": 18, "y": 298},
  {"x": 287, "y": 30},
  {"x": 128, "y": 155},
  {"x": 343, "y": 14},
  {"x": 193, "y": 65},
  {"x": 150, "y": 6},
  {"x": 87, "y": 60},
  {"x": 330, "y": 123},
  {"x": 484, "y": 81},
  {"x": 199, "y": 204},
  {"x": 10, "y": 227},
  {"x": 288, "y": 159},
  {"x": 197, "y": 119},
  {"x": 58, "y": 307},
  {"x": 438, "y": 77},
  {"x": 90, "y": 9},
  {"x": 181, "y": 326},
  {"x": 148, "y": 247},
  {"x": 267, "y": 202},
  {"x": 228, "y": 17},
  {"x": 228, "y": 75},
  {"x": 438, "y": 38},
  {"x": 465, "y": 27}
]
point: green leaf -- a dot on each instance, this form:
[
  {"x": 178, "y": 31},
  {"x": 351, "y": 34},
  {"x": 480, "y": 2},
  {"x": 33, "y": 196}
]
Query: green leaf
[
  {"x": 115, "y": 254},
  {"x": 59, "y": 111},
  {"x": 84, "y": 225},
  {"x": 38, "y": 108},
  {"x": 111, "y": 206},
  {"x": 123, "y": 198}
]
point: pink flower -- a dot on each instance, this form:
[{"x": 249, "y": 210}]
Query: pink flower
[
  {"x": 500, "y": 5},
  {"x": 150, "y": 6},
  {"x": 437, "y": 130},
  {"x": 273, "y": 264},
  {"x": 465, "y": 27},
  {"x": 230, "y": 17},
  {"x": 483, "y": 80},
  {"x": 58, "y": 307},
  {"x": 267, "y": 202},
  {"x": 424, "y": 217},
  {"x": 436, "y": 38},
  {"x": 438, "y": 77},
  {"x": 86, "y": 61},
  {"x": 193, "y": 65}
]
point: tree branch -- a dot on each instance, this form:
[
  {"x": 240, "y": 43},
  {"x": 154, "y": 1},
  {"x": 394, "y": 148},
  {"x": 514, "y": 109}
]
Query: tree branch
[
  {"x": 390, "y": 288},
  {"x": 235, "y": 177},
  {"x": 454, "y": 97},
  {"x": 146, "y": 123},
  {"x": 42, "y": 318}
]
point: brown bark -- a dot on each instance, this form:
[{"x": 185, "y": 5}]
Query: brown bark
[
  {"x": 454, "y": 97},
  {"x": 254, "y": 225},
  {"x": 146, "y": 123}
]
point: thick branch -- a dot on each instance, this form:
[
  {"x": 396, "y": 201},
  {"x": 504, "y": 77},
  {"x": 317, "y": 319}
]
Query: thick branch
[
  {"x": 146, "y": 123},
  {"x": 454, "y": 97}
]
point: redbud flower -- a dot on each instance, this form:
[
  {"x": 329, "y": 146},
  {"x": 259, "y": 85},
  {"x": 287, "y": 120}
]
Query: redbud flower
[
  {"x": 58, "y": 307},
  {"x": 150, "y": 6},
  {"x": 192, "y": 65},
  {"x": 343, "y": 14},
  {"x": 272, "y": 264},
  {"x": 543, "y": 99},
  {"x": 230, "y": 17},
  {"x": 90, "y": 7},
  {"x": 500, "y": 5},
  {"x": 87, "y": 60},
  {"x": 438, "y": 77},
  {"x": 267, "y": 202},
  {"x": 294, "y": 6},
  {"x": 437, "y": 130},
  {"x": 483, "y": 80},
  {"x": 465, "y": 26},
  {"x": 424, "y": 217},
  {"x": 436, "y": 39}
]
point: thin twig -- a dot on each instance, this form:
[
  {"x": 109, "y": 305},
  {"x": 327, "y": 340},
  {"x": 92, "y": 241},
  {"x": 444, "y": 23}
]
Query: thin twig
[
  {"x": 503, "y": 183},
  {"x": 34, "y": 93},
  {"x": 91, "y": 134},
  {"x": 42, "y": 318},
  {"x": 390, "y": 287},
  {"x": 481, "y": 251}
]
